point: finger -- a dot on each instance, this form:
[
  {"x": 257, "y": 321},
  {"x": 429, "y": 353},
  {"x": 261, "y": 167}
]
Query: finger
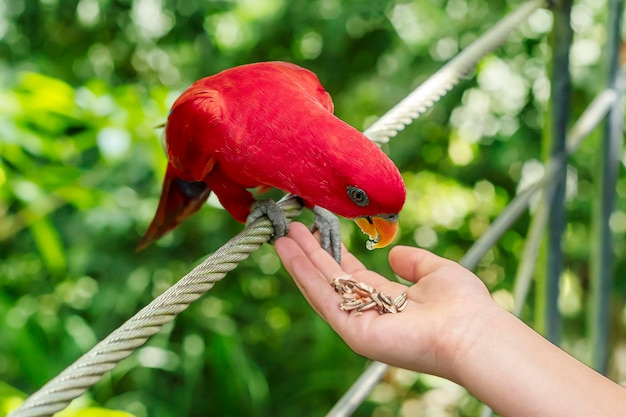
[
  {"x": 322, "y": 260},
  {"x": 414, "y": 264},
  {"x": 313, "y": 285},
  {"x": 352, "y": 326},
  {"x": 287, "y": 249},
  {"x": 304, "y": 273},
  {"x": 349, "y": 262},
  {"x": 308, "y": 262},
  {"x": 328, "y": 267}
]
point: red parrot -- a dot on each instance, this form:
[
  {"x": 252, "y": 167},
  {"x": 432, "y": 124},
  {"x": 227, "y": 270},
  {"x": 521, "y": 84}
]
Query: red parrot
[{"x": 271, "y": 125}]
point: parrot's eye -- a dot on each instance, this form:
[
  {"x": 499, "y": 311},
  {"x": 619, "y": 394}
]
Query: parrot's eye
[{"x": 358, "y": 196}]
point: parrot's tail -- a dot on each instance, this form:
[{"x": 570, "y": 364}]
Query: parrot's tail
[{"x": 179, "y": 200}]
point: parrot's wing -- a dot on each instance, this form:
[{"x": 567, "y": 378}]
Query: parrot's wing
[
  {"x": 308, "y": 81},
  {"x": 179, "y": 200}
]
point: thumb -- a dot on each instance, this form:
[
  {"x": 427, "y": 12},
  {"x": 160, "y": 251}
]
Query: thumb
[{"x": 414, "y": 264}]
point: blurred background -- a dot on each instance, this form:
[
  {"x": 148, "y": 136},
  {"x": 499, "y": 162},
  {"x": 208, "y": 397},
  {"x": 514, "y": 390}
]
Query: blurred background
[{"x": 84, "y": 85}]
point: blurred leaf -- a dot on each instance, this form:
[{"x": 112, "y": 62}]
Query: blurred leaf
[
  {"x": 49, "y": 244},
  {"x": 10, "y": 398},
  {"x": 92, "y": 412}
]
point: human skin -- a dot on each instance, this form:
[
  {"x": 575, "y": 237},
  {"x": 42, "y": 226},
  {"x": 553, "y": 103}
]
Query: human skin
[{"x": 452, "y": 328}]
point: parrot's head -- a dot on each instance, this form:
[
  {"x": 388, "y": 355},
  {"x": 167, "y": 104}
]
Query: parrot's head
[
  {"x": 380, "y": 228},
  {"x": 374, "y": 201},
  {"x": 360, "y": 182}
]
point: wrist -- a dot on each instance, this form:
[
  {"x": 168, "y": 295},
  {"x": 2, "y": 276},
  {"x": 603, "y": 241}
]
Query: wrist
[{"x": 468, "y": 341}]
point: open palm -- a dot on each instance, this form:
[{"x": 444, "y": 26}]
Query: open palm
[{"x": 440, "y": 318}]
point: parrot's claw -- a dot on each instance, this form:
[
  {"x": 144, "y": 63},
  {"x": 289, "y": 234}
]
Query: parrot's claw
[
  {"x": 330, "y": 233},
  {"x": 273, "y": 212}
]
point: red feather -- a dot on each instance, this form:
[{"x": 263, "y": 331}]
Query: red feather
[{"x": 270, "y": 125}]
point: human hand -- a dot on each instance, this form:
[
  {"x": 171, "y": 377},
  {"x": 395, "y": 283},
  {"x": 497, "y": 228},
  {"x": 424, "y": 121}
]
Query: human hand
[
  {"x": 451, "y": 328},
  {"x": 447, "y": 310}
]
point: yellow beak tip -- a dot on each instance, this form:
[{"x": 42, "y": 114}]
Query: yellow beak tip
[{"x": 381, "y": 231}]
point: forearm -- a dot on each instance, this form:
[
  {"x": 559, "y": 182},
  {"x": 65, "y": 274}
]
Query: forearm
[{"x": 519, "y": 373}]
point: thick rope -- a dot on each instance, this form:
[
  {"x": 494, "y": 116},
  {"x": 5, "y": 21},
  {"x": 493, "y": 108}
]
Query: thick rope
[{"x": 89, "y": 368}]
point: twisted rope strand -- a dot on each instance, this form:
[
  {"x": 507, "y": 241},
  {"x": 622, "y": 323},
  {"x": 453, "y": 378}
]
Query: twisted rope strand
[{"x": 89, "y": 368}]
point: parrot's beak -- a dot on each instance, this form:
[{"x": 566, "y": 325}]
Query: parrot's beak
[{"x": 381, "y": 230}]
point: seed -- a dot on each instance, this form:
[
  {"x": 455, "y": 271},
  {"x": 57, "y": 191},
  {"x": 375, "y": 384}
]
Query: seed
[
  {"x": 401, "y": 301},
  {"x": 348, "y": 305},
  {"x": 361, "y": 297},
  {"x": 366, "y": 306},
  {"x": 376, "y": 298},
  {"x": 386, "y": 299},
  {"x": 362, "y": 292},
  {"x": 363, "y": 286}
]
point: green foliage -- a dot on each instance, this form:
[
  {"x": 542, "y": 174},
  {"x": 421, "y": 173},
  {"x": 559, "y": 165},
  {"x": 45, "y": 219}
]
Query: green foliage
[
  {"x": 10, "y": 398},
  {"x": 85, "y": 85}
]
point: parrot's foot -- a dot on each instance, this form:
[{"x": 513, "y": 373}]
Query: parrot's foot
[
  {"x": 273, "y": 212},
  {"x": 330, "y": 233}
]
